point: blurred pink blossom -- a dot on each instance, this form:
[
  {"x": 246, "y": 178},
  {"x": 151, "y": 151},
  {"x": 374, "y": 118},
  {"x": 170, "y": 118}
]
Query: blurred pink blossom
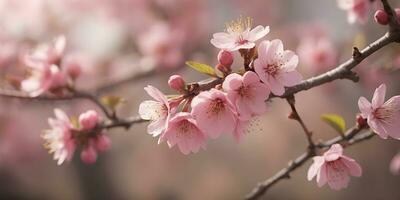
[
  {"x": 382, "y": 117},
  {"x": 276, "y": 67},
  {"x": 395, "y": 164},
  {"x": 88, "y": 120},
  {"x": 357, "y": 10},
  {"x": 317, "y": 53},
  {"x": 59, "y": 138},
  {"x": 334, "y": 168}
]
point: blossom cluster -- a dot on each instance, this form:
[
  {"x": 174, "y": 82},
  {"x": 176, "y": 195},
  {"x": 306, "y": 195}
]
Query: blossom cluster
[
  {"x": 48, "y": 71},
  {"x": 190, "y": 118},
  {"x": 67, "y": 134}
]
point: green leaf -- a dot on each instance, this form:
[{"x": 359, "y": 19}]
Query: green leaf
[
  {"x": 112, "y": 101},
  {"x": 335, "y": 121},
  {"x": 202, "y": 68}
]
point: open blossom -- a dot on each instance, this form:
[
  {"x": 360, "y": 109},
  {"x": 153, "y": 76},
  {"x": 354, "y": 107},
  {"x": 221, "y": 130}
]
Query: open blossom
[
  {"x": 317, "y": 53},
  {"x": 158, "y": 111},
  {"x": 382, "y": 117},
  {"x": 183, "y": 131},
  {"x": 47, "y": 54},
  {"x": 334, "y": 168},
  {"x": 239, "y": 35},
  {"x": 357, "y": 10},
  {"x": 247, "y": 94},
  {"x": 59, "y": 138},
  {"x": 214, "y": 113},
  {"x": 276, "y": 67}
]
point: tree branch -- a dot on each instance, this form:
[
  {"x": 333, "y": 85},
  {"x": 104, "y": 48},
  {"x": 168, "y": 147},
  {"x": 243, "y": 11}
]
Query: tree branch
[{"x": 351, "y": 137}]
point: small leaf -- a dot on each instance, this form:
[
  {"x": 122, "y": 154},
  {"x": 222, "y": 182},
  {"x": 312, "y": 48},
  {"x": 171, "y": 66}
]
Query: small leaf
[
  {"x": 335, "y": 121},
  {"x": 202, "y": 68},
  {"x": 112, "y": 101}
]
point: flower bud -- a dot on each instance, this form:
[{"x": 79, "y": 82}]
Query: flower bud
[
  {"x": 381, "y": 17},
  {"x": 225, "y": 58},
  {"x": 176, "y": 82},
  {"x": 88, "y": 120},
  {"x": 361, "y": 122},
  {"x": 89, "y": 155},
  {"x": 224, "y": 69},
  {"x": 74, "y": 69},
  {"x": 103, "y": 143},
  {"x": 397, "y": 13}
]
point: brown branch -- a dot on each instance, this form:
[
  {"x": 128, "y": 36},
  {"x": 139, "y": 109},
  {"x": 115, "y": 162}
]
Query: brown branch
[
  {"x": 72, "y": 96},
  {"x": 351, "y": 137},
  {"x": 295, "y": 116}
]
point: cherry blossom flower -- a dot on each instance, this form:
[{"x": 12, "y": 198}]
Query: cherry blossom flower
[
  {"x": 158, "y": 111},
  {"x": 317, "y": 54},
  {"x": 334, "y": 168},
  {"x": 214, "y": 113},
  {"x": 239, "y": 35},
  {"x": 47, "y": 54},
  {"x": 246, "y": 93},
  {"x": 59, "y": 138},
  {"x": 276, "y": 67},
  {"x": 357, "y": 10},
  {"x": 183, "y": 131},
  {"x": 42, "y": 79},
  {"x": 382, "y": 117},
  {"x": 395, "y": 164}
]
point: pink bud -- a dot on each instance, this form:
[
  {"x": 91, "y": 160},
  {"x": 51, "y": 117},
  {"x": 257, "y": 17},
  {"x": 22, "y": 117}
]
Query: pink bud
[
  {"x": 224, "y": 69},
  {"x": 397, "y": 11},
  {"x": 74, "y": 69},
  {"x": 89, "y": 155},
  {"x": 225, "y": 58},
  {"x": 88, "y": 120},
  {"x": 381, "y": 17},
  {"x": 176, "y": 82},
  {"x": 103, "y": 143}
]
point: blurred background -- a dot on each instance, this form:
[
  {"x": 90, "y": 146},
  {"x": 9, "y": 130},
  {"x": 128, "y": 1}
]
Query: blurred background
[{"x": 144, "y": 42}]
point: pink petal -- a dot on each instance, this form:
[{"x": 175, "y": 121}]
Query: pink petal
[
  {"x": 365, "y": 107},
  {"x": 315, "y": 167},
  {"x": 353, "y": 167},
  {"x": 157, "y": 127},
  {"x": 156, "y": 94},
  {"x": 259, "y": 69},
  {"x": 276, "y": 87},
  {"x": 290, "y": 79},
  {"x": 379, "y": 96},
  {"x": 377, "y": 126},
  {"x": 250, "y": 77},
  {"x": 291, "y": 61},
  {"x": 334, "y": 152},
  {"x": 275, "y": 49},
  {"x": 337, "y": 179},
  {"x": 322, "y": 176},
  {"x": 232, "y": 82},
  {"x": 263, "y": 52},
  {"x": 258, "y": 32}
]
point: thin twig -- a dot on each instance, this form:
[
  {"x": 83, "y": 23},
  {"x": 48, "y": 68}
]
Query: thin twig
[
  {"x": 350, "y": 138},
  {"x": 295, "y": 116}
]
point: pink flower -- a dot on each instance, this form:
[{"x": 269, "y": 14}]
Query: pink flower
[
  {"x": 158, "y": 111},
  {"x": 59, "y": 138},
  {"x": 239, "y": 35},
  {"x": 395, "y": 165},
  {"x": 47, "y": 54},
  {"x": 334, "y": 168},
  {"x": 214, "y": 113},
  {"x": 357, "y": 10},
  {"x": 89, "y": 154},
  {"x": 382, "y": 117},
  {"x": 276, "y": 67},
  {"x": 225, "y": 58},
  {"x": 102, "y": 142},
  {"x": 176, "y": 82},
  {"x": 42, "y": 79},
  {"x": 89, "y": 120},
  {"x": 183, "y": 130},
  {"x": 247, "y": 94},
  {"x": 317, "y": 54}
]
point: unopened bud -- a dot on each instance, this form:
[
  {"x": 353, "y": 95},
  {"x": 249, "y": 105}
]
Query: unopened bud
[
  {"x": 176, "y": 82},
  {"x": 397, "y": 12},
  {"x": 361, "y": 122},
  {"x": 224, "y": 69},
  {"x": 225, "y": 58},
  {"x": 381, "y": 17},
  {"x": 88, "y": 120},
  {"x": 74, "y": 69},
  {"x": 89, "y": 155},
  {"x": 103, "y": 142}
]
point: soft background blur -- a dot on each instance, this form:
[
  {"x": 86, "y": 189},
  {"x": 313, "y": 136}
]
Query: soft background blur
[{"x": 115, "y": 39}]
